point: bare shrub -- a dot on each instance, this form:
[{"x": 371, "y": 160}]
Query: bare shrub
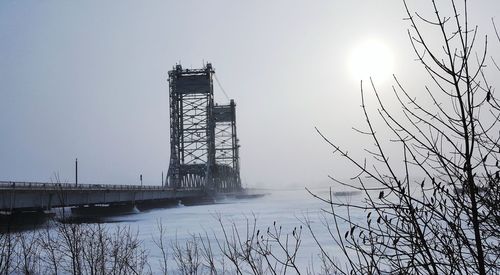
[
  {"x": 7, "y": 244},
  {"x": 161, "y": 243},
  {"x": 187, "y": 255}
]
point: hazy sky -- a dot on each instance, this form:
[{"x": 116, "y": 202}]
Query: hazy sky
[{"x": 88, "y": 79}]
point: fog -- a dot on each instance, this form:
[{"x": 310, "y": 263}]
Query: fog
[{"x": 88, "y": 80}]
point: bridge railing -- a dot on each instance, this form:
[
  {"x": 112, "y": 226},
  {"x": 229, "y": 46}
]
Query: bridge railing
[{"x": 67, "y": 186}]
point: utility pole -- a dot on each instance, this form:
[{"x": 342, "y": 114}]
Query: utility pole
[
  {"x": 162, "y": 179},
  {"x": 141, "y": 179},
  {"x": 76, "y": 172}
]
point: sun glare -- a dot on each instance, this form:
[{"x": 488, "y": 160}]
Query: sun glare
[{"x": 371, "y": 58}]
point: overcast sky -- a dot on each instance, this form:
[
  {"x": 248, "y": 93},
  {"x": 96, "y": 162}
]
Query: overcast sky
[{"x": 88, "y": 79}]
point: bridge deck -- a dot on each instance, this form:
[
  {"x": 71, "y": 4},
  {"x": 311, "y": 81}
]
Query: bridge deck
[{"x": 38, "y": 195}]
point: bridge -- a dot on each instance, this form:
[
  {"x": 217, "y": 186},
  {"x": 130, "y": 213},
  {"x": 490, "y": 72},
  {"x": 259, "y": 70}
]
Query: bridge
[
  {"x": 204, "y": 156},
  {"x": 30, "y": 196}
]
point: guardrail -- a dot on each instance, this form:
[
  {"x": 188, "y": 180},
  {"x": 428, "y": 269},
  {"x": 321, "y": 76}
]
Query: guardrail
[{"x": 58, "y": 186}]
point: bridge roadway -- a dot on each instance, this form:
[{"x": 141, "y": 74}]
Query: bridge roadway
[{"x": 27, "y": 196}]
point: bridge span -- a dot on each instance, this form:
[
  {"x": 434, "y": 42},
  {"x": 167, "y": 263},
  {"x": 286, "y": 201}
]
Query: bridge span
[{"x": 29, "y": 196}]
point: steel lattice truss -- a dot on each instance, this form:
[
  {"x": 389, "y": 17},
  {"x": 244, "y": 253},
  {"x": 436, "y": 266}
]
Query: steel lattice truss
[
  {"x": 195, "y": 124},
  {"x": 203, "y": 141},
  {"x": 223, "y": 143},
  {"x": 226, "y": 147}
]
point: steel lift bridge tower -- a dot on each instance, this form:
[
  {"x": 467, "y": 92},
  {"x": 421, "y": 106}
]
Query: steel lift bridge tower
[{"x": 203, "y": 141}]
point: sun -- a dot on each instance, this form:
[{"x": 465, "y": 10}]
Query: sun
[{"x": 371, "y": 58}]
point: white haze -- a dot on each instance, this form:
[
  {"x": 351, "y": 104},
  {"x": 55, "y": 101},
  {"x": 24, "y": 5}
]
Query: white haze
[{"x": 88, "y": 79}]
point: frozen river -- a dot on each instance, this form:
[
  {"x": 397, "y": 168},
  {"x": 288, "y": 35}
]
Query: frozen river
[
  {"x": 288, "y": 208},
  {"x": 285, "y": 210}
]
